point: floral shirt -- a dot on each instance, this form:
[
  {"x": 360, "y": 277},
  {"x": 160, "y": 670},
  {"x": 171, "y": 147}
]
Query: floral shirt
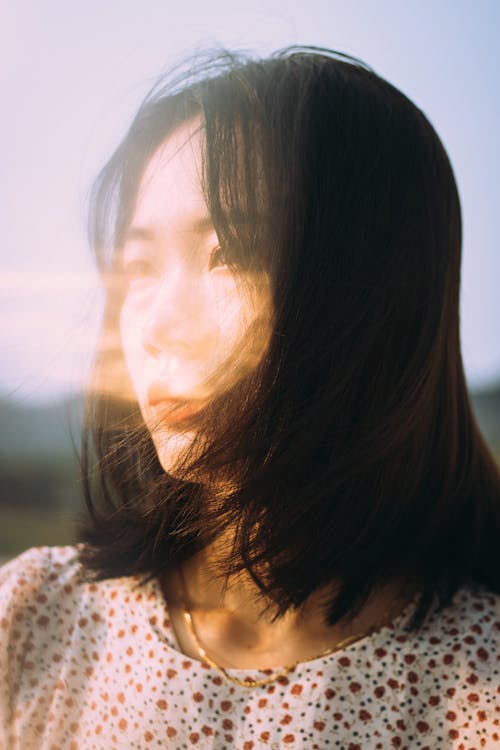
[{"x": 87, "y": 666}]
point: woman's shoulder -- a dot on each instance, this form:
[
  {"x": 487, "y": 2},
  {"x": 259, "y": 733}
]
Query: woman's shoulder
[
  {"x": 466, "y": 629},
  {"x": 36, "y": 587},
  {"x": 37, "y": 559},
  {"x": 36, "y": 575},
  {"x": 472, "y": 616},
  {"x": 51, "y": 579},
  {"x": 454, "y": 655},
  {"x": 45, "y": 595}
]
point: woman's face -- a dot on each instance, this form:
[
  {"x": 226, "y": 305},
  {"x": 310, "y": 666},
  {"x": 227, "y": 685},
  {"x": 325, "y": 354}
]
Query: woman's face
[{"x": 184, "y": 312}]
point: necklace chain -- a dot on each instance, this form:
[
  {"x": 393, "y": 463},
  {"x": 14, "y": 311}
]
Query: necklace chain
[{"x": 250, "y": 682}]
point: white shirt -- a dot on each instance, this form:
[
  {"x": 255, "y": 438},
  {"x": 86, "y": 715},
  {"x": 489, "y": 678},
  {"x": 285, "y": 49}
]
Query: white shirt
[{"x": 96, "y": 666}]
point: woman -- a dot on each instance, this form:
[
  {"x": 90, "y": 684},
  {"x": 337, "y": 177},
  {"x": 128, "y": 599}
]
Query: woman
[{"x": 294, "y": 521}]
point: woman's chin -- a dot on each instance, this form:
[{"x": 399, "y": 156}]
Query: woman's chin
[{"x": 172, "y": 450}]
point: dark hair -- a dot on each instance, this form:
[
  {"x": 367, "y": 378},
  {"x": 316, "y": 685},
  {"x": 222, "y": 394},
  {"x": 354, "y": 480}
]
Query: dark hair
[{"x": 355, "y": 455}]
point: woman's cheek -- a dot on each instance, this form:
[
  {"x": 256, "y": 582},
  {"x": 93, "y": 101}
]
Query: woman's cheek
[{"x": 131, "y": 326}]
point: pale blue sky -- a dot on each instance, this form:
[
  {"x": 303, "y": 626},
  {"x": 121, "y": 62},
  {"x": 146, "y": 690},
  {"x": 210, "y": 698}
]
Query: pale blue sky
[{"x": 73, "y": 73}]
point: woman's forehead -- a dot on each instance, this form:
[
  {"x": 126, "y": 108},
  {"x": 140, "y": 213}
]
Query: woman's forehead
[
  {"x": 172, "y": 181},
  {"x": 181, "y": 151}
]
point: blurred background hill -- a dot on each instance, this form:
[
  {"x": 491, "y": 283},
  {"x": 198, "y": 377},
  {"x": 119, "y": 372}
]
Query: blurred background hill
[{"x": 40, "y": 488}]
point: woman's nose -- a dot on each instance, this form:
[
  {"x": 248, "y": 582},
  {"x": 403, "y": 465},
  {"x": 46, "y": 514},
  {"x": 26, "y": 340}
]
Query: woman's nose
[{"x": 174, "y": 321}]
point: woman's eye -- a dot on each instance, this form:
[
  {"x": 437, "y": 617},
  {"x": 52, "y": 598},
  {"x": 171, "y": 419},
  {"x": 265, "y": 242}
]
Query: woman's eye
[{"x": 218, "y": 258}]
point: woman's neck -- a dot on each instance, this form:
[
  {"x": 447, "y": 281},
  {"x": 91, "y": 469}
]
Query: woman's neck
[{"x": 232, "y": 626}]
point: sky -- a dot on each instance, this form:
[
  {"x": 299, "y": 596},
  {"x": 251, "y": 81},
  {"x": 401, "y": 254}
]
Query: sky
[{"x": 73, "y": 74}]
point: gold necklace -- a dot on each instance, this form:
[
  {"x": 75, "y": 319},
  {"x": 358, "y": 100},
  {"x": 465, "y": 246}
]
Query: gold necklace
[{"x": 250, "y": 682}]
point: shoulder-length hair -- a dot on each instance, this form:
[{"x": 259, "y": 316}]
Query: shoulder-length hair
[{"x": 354, "y": 454}]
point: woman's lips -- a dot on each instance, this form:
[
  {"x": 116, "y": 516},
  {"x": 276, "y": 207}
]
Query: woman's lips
[
  {"x": 176, "y": 412},
  {"x": 173, "y": 411}
]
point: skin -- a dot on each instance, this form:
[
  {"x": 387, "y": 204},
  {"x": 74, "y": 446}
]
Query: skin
[
  {"x": 184, "y": 314},
  {"x": 233, "y": 630}
]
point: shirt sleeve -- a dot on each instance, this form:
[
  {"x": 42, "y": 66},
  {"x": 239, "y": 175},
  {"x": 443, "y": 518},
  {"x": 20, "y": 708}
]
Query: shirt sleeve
[{"x": 22, "y": 581}]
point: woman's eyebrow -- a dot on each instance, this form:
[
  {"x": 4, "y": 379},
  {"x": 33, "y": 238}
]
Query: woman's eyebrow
[
  {"x": 200, "y": 225},
  {"x": 139, "y": 233}
]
